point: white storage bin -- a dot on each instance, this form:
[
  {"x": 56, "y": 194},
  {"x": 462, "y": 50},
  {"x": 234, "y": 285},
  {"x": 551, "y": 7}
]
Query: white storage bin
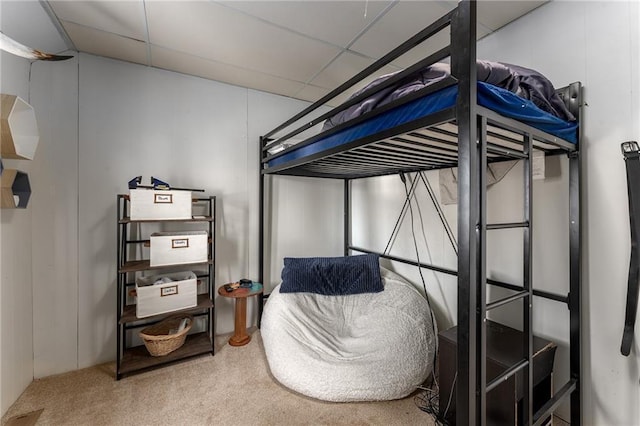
[
  {"x": 149, "y": 204},
  {"x": 179, "y": 292},
  {"x": 176, "y": 248}
]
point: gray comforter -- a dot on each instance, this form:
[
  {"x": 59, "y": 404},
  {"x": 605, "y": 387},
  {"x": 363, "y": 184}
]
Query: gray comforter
[{"x": 524, "y": 82}]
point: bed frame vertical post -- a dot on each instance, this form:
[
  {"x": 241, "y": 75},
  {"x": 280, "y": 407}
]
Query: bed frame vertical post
[
  {"x": 481, "y": 240},
  {"x": 261, "y": 230},
  {"x": 575, "y": 268},
  {"x": 527, "y": 279},
  {"x": 463, "y": 61},
  {"x": 121, "y": 283},
  {"x": 347, "y": 216},
  {"x": 213, "y": 213}
]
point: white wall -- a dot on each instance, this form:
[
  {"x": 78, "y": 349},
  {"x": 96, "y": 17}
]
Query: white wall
[
  {"x": 596, "y": 43},
  {"x": 39, "y": 256},
  {"x": 135, "y": 121},
  {"x": 30, "y": 266},
  {"x": 54, "y": 203},
  {"x": 578, "y": 45},
  {"x": 191, "y": 132},
  {"x": 305, "y": 220},
  {"x": 103, "y": 122},
  {"x": 16, "y": 314},
  {"x": 44, "y": 86}
]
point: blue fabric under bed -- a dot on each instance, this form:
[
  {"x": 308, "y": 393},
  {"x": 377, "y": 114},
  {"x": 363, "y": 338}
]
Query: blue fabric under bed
[{"x": 495, "y": 98}]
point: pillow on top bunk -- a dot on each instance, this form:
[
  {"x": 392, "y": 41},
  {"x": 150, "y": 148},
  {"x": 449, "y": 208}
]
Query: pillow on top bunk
[{"x": 332, "y": 276}]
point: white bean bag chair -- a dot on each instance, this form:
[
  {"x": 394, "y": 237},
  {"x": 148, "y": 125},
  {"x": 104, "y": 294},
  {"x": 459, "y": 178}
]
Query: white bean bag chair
[{"x": 361, "y": 347}]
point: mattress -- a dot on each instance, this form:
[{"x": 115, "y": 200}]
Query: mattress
[{"x": 492, "y": 97}]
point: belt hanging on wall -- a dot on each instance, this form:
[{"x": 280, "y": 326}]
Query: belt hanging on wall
[{"x": 631, "y": 154}]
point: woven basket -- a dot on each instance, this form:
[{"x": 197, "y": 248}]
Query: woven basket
[{"x": 157, "y": 339}]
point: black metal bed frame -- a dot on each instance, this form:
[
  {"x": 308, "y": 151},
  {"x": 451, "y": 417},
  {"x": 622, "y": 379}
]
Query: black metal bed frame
[{"x": 467, "y": 136}]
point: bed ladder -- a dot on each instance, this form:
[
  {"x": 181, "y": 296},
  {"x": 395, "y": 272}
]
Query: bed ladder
[
  {"x": 472, "y": 386},
  {"x": 477, "y": 390},
  {"x": 525, "y": 295}
]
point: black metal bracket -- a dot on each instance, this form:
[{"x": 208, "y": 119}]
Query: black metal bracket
[
  {"x": 630, "y": 149},
  {"x": 631, "y": 153}
]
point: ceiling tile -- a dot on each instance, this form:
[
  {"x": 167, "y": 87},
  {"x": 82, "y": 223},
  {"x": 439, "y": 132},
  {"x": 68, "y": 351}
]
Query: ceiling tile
[
  {"x": 340, "y": 99},
  {"x": 311, "y": 93},
  {"x": 493, "y": 15},
  {"x": 423, "y": 50},
  {"x": 192, "y": 65},
  {"x": 404, "y": 20},
  {"x": 106, "y": 44},
  {"x": 291, "y": 48},
  {"x": 343, "y": 68},
  {"x": 125, "y": 18},
  {"x": 336, "y": 22},
  {"x": 216, "y": 32}
]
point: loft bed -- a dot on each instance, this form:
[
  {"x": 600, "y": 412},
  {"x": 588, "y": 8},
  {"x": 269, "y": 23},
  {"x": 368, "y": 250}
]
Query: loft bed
[{"x": 469, "y": 132}]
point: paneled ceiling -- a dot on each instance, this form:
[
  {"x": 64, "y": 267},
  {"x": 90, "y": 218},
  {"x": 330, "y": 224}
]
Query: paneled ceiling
[{"x": 300, "y": 49}]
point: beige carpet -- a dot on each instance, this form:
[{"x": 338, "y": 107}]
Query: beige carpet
[{"x": 234, "y": 387}]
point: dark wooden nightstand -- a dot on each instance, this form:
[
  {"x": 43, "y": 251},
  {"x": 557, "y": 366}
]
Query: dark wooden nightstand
[
  {"x": 240, "y": 336},
  {"x": 504, "y": 349}
]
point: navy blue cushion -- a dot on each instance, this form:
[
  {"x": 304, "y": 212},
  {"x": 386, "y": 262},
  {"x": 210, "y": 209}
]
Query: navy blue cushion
[{"x": 332, "y": 275}]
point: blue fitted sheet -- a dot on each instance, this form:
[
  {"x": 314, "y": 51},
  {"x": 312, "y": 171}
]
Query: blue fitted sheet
[{"x": 495, "y": 98}]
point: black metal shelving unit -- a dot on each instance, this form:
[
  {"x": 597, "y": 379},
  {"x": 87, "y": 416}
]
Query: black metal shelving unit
[
  {"x": 467, "y": 136},
  {"x": 136, "y": 359}
]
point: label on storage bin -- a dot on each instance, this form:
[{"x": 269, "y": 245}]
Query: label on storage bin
[
  {"x": 179, "y": 293},
  {"x": 169, "y": 291},
  {"x": 179, "y": 243},
  {"x": 177, "y": 248},
  {"x": 163, "y": 198}
]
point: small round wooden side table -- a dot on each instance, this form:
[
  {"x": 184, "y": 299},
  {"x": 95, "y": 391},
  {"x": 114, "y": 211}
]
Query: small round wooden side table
[{"x": 240, "y": 336}]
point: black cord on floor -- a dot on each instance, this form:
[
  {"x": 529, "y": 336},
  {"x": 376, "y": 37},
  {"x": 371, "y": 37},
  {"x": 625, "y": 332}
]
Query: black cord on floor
[{"x": 428, "y": 400}]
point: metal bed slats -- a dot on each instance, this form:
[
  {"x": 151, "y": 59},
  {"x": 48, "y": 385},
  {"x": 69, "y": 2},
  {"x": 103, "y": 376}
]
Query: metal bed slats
[
  {"x": 417, "y": 146},
  {"x": 427, "y": 148}
]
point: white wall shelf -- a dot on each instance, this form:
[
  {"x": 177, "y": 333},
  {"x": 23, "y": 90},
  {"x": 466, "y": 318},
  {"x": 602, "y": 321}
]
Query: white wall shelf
[
  {"x": 19, "y": 128},
  {"x": 16, "y": 189}
]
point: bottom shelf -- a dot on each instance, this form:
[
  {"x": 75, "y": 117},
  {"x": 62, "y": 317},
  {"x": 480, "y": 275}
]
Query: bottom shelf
[{"x": 137, "y": 358}]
